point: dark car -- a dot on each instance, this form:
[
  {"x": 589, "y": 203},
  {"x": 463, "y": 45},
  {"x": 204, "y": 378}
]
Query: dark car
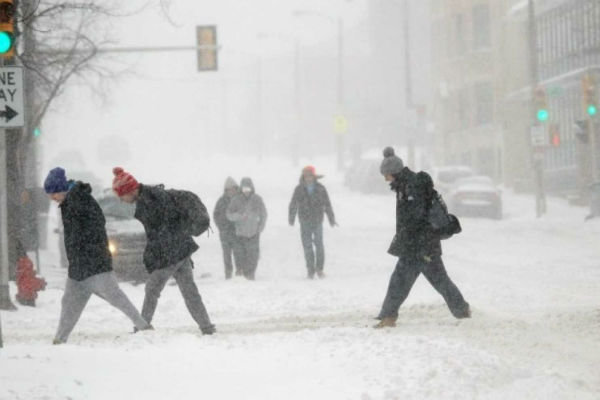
[
  {"x": 475, "y": 196},
  {"x": 126, "y": 239}
]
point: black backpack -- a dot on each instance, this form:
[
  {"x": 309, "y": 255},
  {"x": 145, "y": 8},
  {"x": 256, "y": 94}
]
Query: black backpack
[
  {"x": 443, "y": 223},
  {"x": 196, "y": 219}
]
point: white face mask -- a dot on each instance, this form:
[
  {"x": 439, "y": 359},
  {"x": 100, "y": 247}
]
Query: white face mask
[{"x": 246, "y": 190}]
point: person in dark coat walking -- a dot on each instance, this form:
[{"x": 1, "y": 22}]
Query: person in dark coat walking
[
  {"x": 168, "y": 247},
  {"x": 229, "y": 241},
  {"x": 416, "y": 243},
  {"x": 90, "y": 262},
  {"x": 311, "y": 201},
  {"x": 248, "y": 213}
]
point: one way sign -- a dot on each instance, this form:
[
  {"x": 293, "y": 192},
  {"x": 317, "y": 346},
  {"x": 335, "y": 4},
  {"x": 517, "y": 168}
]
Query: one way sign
[{"x": 11, "y": 97}]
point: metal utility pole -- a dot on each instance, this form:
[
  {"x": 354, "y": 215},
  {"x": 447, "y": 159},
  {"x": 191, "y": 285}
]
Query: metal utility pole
[
  {"x": 296, "y": 131},
  {"x": 339, "y": 138},
  {"x": 537, "y": 157},
  {"x": 408, "y": 84}
]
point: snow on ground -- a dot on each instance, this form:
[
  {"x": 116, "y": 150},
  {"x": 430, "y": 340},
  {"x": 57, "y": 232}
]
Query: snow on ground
[{"x": 534, "y": 286}]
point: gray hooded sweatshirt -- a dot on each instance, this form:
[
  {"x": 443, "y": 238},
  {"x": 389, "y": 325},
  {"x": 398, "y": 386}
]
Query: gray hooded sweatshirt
[{"x": 247, "y": 212}]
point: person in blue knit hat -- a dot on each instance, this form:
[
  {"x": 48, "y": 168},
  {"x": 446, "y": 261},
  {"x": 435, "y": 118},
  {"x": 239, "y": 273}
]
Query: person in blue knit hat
[{"x": 90, "y": 261}]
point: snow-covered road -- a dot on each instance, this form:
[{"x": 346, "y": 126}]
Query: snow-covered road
[{"x": 534, "y": 286}]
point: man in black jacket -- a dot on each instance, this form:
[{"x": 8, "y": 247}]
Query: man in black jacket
[
  {"x": 310, "y": 201},
  {"x": 90, "y": 262},
  {"x": 229, "y": 240},
  {"x": 416, "y": 243},
  {"x": 168, "y": 248}
]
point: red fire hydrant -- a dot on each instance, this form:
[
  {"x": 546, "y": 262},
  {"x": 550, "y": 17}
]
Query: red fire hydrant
[{"x": 27, "y": 283}]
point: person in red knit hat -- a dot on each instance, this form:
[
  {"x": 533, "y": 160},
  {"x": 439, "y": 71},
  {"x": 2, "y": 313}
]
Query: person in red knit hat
[
  {"x": 28, "y": 284},
  {"x": 168, "y": 246}
]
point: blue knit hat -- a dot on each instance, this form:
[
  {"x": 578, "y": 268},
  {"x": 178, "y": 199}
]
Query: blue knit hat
[{"x": 56, "y": 181}]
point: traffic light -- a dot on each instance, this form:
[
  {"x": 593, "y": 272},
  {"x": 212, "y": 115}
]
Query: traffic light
[
  {"x": 590, "y": 98},
  {"x": 7, "y": 26},
  {"x": 206, "y": 41},
  {"x": 541, "y": 104}
]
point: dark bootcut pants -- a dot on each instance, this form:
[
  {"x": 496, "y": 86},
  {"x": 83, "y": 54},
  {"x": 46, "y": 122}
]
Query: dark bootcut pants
[
  {"x": 404, "y": 277},
  {"x": 248, "y": 254},
  {"x": 229, "y": 244},
  {"x": 312, "y": 235},
  {"x": 182, "y": 272}
]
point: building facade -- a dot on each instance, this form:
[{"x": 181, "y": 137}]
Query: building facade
[
  {"x": 467, "y": 84},
  {"x": 484, "y": 103}
]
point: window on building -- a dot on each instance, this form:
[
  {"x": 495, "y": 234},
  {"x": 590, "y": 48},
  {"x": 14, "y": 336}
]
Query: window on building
[
  {"x": 484, "y": 103},
  {"x": 481, "y": 27},
  {"x": 459, "y": 30}
]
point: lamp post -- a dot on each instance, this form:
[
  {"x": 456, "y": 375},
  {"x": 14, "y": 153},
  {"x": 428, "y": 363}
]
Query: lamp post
[
  {"x": 338, "y": 21},
  {"x": 296, "y": 130}
]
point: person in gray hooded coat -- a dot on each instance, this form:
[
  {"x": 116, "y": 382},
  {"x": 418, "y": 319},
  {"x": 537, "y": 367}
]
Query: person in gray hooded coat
[
  {"x": 229, "y": 240},
  {"x": 248, "y": 213}
]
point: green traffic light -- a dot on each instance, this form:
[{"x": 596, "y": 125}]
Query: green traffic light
[
  {"x": 6, "y": 42},
  {"x": 37, "y": 132},
  {"x": 542, "y": 115},
  {"x": 592, "y": 110}
]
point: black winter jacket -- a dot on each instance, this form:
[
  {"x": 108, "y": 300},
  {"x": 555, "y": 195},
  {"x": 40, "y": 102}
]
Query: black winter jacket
[
  {"x": 163, "y": 222},
  {"x": 310, "y": 207},
  {"x": 415, "y": 238},
  {"x": 86, "y": 242}
]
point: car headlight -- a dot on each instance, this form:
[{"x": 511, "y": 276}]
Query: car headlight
[{"x": 112, "y": 247}]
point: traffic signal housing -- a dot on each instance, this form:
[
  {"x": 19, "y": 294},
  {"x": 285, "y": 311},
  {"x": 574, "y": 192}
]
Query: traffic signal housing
[
  {"x": 590, "y": 96},
  {"x": 206, "y": 41},
  {"x": 541, "y": 104},
  {"x": 7, "y": 27}
]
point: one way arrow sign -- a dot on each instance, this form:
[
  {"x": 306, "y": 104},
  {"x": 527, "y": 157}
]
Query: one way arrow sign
[
  {"x": 11, "y": 97},
  {"x": 8, "y": 113}
]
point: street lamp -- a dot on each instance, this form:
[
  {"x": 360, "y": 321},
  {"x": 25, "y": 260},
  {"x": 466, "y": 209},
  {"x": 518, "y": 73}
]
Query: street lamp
[
  {"x": 340, "y": 82},
  {"x": 294, "y": 41}
]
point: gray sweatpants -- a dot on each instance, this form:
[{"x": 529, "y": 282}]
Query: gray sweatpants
[
  {"x": 182, "y": 272},
  {"x": 77, "y": 294}
]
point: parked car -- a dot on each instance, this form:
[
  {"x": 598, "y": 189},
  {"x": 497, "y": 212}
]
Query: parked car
[
  {"x": 364, "y": 176},
  {"x": 126, "y": 239},
  {"x": 475, "y": 196},
  {"x": 445, "y": 177}
]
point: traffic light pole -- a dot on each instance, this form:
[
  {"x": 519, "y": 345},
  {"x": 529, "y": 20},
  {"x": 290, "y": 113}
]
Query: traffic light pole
[
  {"x": 593, "y": 148},
  {"x": 537, "y": 158}
]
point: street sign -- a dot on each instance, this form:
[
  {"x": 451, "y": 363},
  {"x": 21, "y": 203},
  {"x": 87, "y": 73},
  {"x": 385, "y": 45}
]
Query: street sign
[
  {"x": 340, "y": 124},
  {"x": 539, "y": 138},
  {"x": 11, "y": 97}
]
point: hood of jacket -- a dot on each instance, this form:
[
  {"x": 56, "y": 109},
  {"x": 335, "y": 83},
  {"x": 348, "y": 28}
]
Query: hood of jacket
[
  {"x": 230, "y": 183},
  {"x": 247, "y": 182}
]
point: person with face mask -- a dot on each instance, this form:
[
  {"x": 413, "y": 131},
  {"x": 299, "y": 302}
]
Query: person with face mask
[
  {"x": 248, "y": 213},
  {"x": 311, "y": 201}
]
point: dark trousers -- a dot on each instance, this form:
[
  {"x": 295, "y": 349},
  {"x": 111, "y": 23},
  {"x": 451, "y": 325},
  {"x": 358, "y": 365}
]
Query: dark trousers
[
  {"x": 404, "y": 277},
  {"x": 229, "y": 244},
  {"x": 312, "y": 235},
  {"x": 248, "y": 250},
  {"x": 182, "y": 272}
]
